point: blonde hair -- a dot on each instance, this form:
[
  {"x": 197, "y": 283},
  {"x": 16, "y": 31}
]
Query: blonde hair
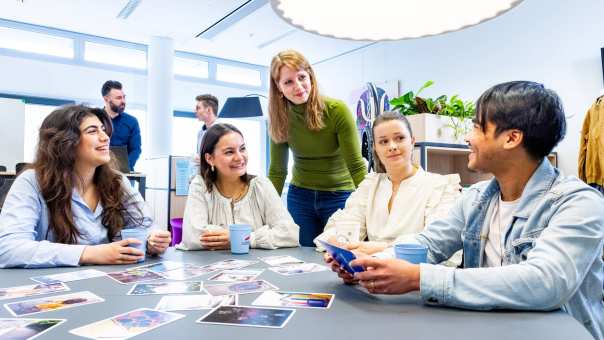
[{"x": 279, "y": 105}]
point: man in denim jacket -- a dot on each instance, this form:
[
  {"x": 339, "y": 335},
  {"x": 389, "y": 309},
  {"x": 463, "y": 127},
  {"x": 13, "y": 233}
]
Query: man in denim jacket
[{"x": 532, "y": 239}]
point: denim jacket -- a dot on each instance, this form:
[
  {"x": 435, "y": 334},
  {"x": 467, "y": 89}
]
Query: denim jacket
[{"x": 553, "y": 251}]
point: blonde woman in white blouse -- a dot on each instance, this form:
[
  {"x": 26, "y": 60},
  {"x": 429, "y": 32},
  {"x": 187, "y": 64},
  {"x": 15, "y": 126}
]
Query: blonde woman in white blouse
[
  {"x": 223, "y": 193},
  {"x": 398, "y": 200}
]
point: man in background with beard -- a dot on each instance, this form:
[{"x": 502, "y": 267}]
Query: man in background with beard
[{"x": 126, "y": 131}]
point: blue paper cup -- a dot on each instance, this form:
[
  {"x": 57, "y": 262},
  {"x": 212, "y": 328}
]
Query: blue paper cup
[
  {"x": 240, "y": 238},
  {"x": 139, "y": 234},
  {"x": 414, "y": 253}
]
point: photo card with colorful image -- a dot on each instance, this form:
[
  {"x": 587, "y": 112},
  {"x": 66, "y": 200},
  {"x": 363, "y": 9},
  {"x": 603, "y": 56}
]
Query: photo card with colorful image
[
  {"x": 248, "y": 316},
  {"x": 296, "y": 269},
  {"x": 69, "y": 276},
  {"x": 236, "y": 275},
  {"x": 26, "y": 329},
  {"x": 188, "y": 271},
  {"x": 51, "y": 303},
  {"x": 32, "y": 290},
  {"x": 173, "y": 287},
  {"x": 294, "y": 299},
  {"x": 161, "y": 267},
  {"x": 229, "y": 264},
  {"x": 239, "y": 288},
  {"x": 127, "y": 325},
  {"x": 134, "y": 275}
]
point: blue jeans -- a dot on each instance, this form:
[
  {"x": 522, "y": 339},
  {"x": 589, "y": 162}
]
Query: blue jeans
[{"x": 311, "y": 209}]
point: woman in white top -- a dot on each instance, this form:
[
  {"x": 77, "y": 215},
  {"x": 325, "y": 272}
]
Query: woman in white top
[
  {"x": 396, "y": 201},
  {"x": 224, "y": 193}
]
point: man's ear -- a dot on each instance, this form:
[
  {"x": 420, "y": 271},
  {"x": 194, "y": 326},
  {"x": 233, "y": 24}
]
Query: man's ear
[{"x": 513, "y": 139}]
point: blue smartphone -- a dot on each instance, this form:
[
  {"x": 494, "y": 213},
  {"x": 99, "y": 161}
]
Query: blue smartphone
[{"x": 342, "y": 256}]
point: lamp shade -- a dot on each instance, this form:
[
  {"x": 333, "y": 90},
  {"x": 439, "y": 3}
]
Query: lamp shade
[
  {"x": 241, "y": 107},
  {"x": 378, "y": 20}
]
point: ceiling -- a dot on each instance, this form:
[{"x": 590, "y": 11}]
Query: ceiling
[{"x": 252, "y": 34}]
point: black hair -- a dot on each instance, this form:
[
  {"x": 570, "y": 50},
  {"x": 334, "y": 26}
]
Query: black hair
[
  {"x": 109, "y": 85},
  {"x": 209, "y": 100},
  {"x": 208, "y": 144},
  {"x": 526, "y": 106},
  {"x": 386, "y": 117}
]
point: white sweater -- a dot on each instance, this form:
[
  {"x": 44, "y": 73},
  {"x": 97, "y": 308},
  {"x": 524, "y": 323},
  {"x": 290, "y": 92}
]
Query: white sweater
[
  {"x": 420, "y": 199},
  {"x": 261, "y": 207}
]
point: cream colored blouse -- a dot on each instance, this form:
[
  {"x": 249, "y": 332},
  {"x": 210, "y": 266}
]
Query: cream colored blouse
[
  {"x": 420, "y": 199},
  {"x": 261, "y": 207}
]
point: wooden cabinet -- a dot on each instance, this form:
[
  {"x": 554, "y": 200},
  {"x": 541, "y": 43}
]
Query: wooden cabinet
[{"x": 443, "y": 158}]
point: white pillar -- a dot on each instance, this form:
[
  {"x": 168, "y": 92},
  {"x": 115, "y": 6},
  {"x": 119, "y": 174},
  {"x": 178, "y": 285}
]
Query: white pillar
[{"x": 160, "y": 78}]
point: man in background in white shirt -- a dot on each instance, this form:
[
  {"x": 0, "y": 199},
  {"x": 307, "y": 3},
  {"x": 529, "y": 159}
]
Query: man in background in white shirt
[{"x": 206, "y": 111}]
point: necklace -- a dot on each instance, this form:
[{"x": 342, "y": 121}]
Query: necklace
[{"x": 237, "y": 196}]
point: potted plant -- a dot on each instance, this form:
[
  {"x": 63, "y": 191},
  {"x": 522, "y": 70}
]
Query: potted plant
[{"x": 443, "y": 119}]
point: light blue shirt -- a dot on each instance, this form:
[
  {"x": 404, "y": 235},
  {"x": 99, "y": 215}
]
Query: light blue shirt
[
  {"x": 25, "y": 240},
  {"x": 552, "y": 258}
]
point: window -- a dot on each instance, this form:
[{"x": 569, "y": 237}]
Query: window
[
  {"x": 33, "y": 42},
  {"x": 115, "y": 55},
  {"x": 34, "y": 116},
  {"x": 239, "y": 75},
  {"x": 190, "y": 67}
]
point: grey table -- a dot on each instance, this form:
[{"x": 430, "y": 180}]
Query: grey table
[{"x": 353, "y": 315}]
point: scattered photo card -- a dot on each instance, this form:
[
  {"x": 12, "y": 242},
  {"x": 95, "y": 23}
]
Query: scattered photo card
[
  {"x": 25, "y": 329},
  {"x": 296, "y": 269},
  {"x": 230, "y": 264},
  {"x": 189, "y": 271},
  {"x": 248, "y": 316},
  {"x": 239, "y": 288},
  {"x": 280, "y": 260},
  {"x": 294, "y": 299},
  {"x": 32, "y": 290},
  {"x": 236, "y": 275},
  {"x": 69, "y": 276},
  {"x": 194, "y": 302},
  {"x": 127, "y": 325},
  {"x": 50, "y": 303},
  {"x": 161, "y": 267},
  {"x": 134, "y": 275},
  {"x": 166, "y": 288}
]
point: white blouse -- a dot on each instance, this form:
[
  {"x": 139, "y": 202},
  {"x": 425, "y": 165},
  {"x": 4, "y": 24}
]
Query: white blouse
[
  {"x": 261, "y": 207},
  {"x": 420, "y": 199}
]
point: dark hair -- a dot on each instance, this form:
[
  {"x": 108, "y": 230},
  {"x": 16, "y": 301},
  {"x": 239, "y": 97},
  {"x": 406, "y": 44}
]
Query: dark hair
[
  {"x": 209, "y": 100},
  {"x": 528, "y": 107},
  {"x": 109, "y": 85},
  {"x": 386, "y": 117},
  {"x": 54, "y": 166},
  {"x": 208, "y": 144}
]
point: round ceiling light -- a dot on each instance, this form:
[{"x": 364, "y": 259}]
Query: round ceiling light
[{"x": 387, "y": 19}]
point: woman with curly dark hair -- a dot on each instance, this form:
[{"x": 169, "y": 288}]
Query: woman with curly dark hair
[{"x": 70, "y": 208}]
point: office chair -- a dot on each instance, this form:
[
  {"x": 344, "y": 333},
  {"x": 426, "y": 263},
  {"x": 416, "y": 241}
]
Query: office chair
[{"x": 20, "y": 167}]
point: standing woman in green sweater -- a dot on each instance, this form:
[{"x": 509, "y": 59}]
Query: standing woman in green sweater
[{"x": 321, "y": 134}]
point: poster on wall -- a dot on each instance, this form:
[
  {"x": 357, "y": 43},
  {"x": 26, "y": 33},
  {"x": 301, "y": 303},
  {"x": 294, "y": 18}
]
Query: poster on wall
[{"x": 371, "y": 102}]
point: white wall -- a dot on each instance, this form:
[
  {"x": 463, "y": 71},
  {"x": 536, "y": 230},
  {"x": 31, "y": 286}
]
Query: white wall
[
  {"x": 12, "y": 124},
  {"x": 550, "y": 41}
]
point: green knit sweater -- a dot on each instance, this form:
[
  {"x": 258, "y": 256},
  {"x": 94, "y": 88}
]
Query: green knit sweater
[{"x": 328, "y": 159}]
